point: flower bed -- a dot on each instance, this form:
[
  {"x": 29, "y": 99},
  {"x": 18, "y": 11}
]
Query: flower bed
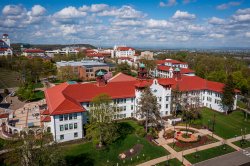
[
  {"x": 169, "y": 134},
  {"x": 181, "y": 145}
]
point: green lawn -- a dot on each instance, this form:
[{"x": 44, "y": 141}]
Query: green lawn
[
  {"x": 171, "y": 162},
  {"x": 87, "y": 154},
  {"x": 208, "y": 153},
  {"x": 244, "y": 145},
  {"x": 8, "y": 78},
  {"x": 226, "y": 126}
]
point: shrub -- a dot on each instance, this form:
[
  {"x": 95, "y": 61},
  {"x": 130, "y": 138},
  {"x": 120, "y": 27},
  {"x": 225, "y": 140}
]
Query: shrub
[
  {"x": 6, "y": 91},
  {"x": 141, "y": 132}
]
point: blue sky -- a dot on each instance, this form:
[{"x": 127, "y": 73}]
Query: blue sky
[{"x": 138, "y": 23}]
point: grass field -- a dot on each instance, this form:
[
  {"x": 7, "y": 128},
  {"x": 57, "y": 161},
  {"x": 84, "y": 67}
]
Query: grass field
[
  {"x": 171, "y": 162},
  {"x": 8, "y": 78},
  {"x": 226, "y": 126},
  {"x": 244, "y": 145},
  {"x": 87, "y": 154},
  {"x": 208, "y": 153}
]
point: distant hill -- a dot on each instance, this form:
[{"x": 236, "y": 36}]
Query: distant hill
[{"x": 17, "y": 46}]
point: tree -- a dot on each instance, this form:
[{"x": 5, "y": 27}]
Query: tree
[
  {"x": 150, "y": 64},
  {"x": 102, "y": 129},
  {"x": 33, "y": 151},
  {"x": 124, "y": 68},
  {"x": 149, "y": 108},
  {"x": 228, "y": 95},
  {"x": 190, "y": 108},
  {"x": 66, "y": 73}
]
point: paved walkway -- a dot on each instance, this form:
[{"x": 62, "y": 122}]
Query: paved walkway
[
  {"x": 179, "y": 155},
  {"x": 232, "y": 159}
]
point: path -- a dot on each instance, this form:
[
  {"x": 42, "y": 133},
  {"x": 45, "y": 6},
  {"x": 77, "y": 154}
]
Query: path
[
  {"x": 231, "y": 159},
  {"x": 179, "y": 155}
]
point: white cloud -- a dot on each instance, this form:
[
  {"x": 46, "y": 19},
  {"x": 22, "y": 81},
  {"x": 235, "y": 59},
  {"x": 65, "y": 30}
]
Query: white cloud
[
  {"x": 151, "y": 23},
  {"x": 69, "y": 12},
  {"x": 217, "y": 36},
  {"x": 13, "y": 10},
  {"x": 183, "y": 15},
  {"x": 243, "y": 11},
  {"x": 37, "y": 10},
  {"x": 242, "y": 15},
  {"x": 227, "y": 5},
  {"x": 125, "y": 12},
  {"x": 127, "y": 23},
  {"x": 94, "y": 8},
  {"x": 182, "y": 38},
  {"x": 168, "y": 3},
  {"x": 216, "y": 20},
  {"x": 247, "y": 34}
]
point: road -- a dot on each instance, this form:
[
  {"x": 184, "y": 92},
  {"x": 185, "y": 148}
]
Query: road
[{"x": 232, "y": 159}]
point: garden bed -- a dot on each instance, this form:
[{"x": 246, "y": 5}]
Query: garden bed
[{"x": 203, "y": 140}]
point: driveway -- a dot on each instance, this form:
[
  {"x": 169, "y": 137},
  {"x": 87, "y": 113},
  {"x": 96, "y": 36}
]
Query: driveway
[{"x": 237, "y": 158}]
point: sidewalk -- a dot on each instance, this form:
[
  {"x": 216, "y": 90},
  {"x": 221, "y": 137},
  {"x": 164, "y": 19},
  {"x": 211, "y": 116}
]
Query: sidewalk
[{"x": 179, "y": 155}]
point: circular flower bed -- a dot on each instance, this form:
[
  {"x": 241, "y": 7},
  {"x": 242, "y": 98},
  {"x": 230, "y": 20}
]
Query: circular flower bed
[{"x": 186, "y": 136}]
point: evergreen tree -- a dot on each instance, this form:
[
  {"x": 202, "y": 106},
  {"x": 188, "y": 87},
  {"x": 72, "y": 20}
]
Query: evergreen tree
[
  {"x": 228, "y": 95},
  {"x": 149, "y": 108}
]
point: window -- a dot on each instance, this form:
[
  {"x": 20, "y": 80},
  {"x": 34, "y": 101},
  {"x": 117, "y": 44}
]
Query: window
[
  {"x": 70, "y": 116},
  {"x": 87, "y": 104},
  {"x": 132, "y": 107},
  {"x": 166, "y": 98},
  {"x": 125, "y": 100},
  {"x": 61, "y": 128},
  {"x": 66, "y": 126},
  {"x": 114, "y": 116},
  {"x": 71, "y": 126},
  {"x": 132, "y": 100},
  {"x": 166, "y": 105},
  {"x": 75, "y": 115},
  {"x": 124, "y": 108},
  {"x": 75, "y": 125},
  {"x": 66, "y": 117},
  {"x": 61, "y": 118},
  {"x": 75, "y": 134},
  {"x": 124, "y": 115},
  {"x": 159, "y": 98},
  {"x": 132, "y": 114},
  {"x": 61, "y": 137}
]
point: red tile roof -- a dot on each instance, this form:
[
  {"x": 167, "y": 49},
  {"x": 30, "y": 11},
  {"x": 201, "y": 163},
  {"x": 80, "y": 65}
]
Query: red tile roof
[
  {"x": 3, "y": 49},
  {"x": 166, "y": 68},
  {"x": 44, "y": 112},
  {"x": 45, "y": 119},
  {"x": 143, "y": 83},
  {"x": 4, "y": 116},
  {"x": 58, "y": 103},
  {"x": 159, "y": 62},
  {"x": 33, "y": 51},
  {"x": 120, "y": 77},
  {"x": 125, "y": 48},
  {"x": 163, "y": 68}
]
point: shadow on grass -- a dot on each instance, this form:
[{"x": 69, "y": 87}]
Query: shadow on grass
[
  {"x": 79, "y": 160},
  {"x": 125, "y": 129}
]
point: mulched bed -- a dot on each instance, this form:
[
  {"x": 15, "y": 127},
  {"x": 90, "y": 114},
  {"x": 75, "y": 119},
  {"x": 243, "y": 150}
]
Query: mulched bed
[
  {"x": 137, "y": 148},
  {"x": 186, "y": 145}
]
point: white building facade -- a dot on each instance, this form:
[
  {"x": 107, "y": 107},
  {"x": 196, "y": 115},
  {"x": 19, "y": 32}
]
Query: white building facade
[{"x": 69, "y": 126}]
